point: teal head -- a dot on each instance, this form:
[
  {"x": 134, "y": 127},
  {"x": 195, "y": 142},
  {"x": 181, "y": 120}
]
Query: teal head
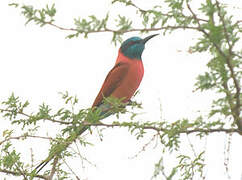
[{"x": 134, "y": 46}]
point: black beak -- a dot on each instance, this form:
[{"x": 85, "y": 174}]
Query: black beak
[{"x": 149, "y": 37}]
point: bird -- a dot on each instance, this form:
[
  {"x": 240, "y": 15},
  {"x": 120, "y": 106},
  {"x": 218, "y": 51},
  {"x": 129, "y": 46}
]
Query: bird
[
  {"x": 125, "y": 77},
  {"x": 122, "y": 80}
]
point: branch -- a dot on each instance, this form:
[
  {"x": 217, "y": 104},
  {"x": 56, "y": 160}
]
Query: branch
[
  {"x": 187, "y": 131},
  {"x": 227, "y": 151},
  {"x": 204, "y": 32},
  {"x": 238, "y": 22},
  {"x": 71, "y": 169},
  {"x": 20, "y": 171},
  {"x": 130, "y": 3},
  {"x": 53, "y": 169},
  {"x": 72, "y": 138},
  {"x": 224, "y": 27},
  {"x": 25, "y": 136},
  {"x": 21, "y": 113},
  {"x": 231, "y": 68},
  {"x": 145, "y": 146},
  {"x": 30, "y": 116},
  {"x": 18, "y": 174},
  {"x": 121, "y": 31},
  {"x": 235, "y": 109}
]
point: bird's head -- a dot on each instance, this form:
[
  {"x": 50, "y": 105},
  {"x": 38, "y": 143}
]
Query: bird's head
[{"x": 134, "y": 46}]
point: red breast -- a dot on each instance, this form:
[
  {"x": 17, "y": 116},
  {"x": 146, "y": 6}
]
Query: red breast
[{"x": 132, "y": 80}]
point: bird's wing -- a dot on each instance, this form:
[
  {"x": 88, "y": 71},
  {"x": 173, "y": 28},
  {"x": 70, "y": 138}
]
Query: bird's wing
[{"x": 112, "y": 81}]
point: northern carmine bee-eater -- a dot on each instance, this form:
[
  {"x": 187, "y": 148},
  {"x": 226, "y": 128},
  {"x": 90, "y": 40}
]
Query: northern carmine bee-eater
[
  {"x": 121, "y": 82},
  {"x": 125, "y": 77}
]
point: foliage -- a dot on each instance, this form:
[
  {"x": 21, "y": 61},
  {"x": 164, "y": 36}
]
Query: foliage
[{"x": 219, "y": 35}]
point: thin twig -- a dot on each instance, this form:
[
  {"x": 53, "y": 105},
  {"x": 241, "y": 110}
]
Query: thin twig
[
  {"x": 144, "y": 147},
  {"x": 78, "y": 152},
  {"x": 24, "y": 174},
  {"x": 199, "y": 28},
  {"x": 238, "y": 22},
  {"x": 25, "y": 136},
  {"x": 71, "y": 169},
  {"x": 32, "y": 159},
  {"x": 191, "y": 145},
  {"x": 224, "y": 27},
  {"x": 130, "y": 3},
  {"x": 227, "y": 146},
  {"x": 30, "y": 116}
]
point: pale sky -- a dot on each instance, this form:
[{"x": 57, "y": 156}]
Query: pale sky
[{"x": 37, "y": 63}]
